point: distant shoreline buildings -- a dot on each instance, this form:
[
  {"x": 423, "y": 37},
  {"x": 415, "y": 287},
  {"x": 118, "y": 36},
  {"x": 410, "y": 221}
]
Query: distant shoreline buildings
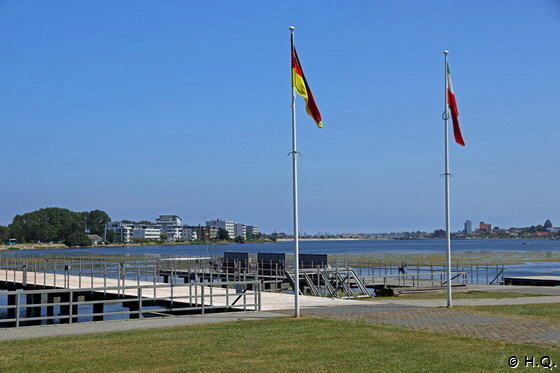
[
  {"x": 170, "y": 228},
  {"x": 486, "y": 230}
]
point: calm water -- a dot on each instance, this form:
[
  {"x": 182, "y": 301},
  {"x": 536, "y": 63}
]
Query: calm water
[{"x": 320, "y": 247}]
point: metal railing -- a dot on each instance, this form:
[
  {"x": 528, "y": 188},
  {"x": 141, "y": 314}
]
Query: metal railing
[{"x": 142, "y": 300}]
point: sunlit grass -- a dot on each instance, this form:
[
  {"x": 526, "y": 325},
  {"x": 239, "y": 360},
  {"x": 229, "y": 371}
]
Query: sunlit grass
[
  {"x": 273, "y": 345},
  {"x": 546, "y": 311}
]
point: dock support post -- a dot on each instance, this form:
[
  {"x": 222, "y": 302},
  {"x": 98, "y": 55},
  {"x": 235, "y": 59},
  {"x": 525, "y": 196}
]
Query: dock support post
[
  {"x": 98, "y": 308},
  {"x": 32, "y": 299},
  {"x": 50, "y": 309},
  {"x": 132, "y": 307},
  {"x": 12, "y": 301},
  {"x": 73, "y": 297},
  {"x": 64, "y": 309}
]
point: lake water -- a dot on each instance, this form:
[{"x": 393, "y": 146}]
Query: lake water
[
  {"x": 353, "y": 247},
  {"x": 406, "y": 249}
]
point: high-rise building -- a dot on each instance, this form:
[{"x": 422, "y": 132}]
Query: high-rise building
[{"x": 468, "y": 227}]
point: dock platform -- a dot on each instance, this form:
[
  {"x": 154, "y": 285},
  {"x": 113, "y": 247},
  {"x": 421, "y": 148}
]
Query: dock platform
[{"x": 533, "y": 280}]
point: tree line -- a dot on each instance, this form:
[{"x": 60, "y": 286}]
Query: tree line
[{"x": 56, "y": 225}]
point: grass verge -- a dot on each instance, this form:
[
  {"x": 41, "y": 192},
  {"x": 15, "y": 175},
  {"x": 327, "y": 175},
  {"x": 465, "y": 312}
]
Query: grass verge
[
  {"x": 546, "y": 311},
  {"x": 274, "y": 345}
]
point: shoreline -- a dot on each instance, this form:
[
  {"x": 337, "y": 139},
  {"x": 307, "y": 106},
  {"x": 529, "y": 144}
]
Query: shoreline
[{"x": 47, "y": 246}]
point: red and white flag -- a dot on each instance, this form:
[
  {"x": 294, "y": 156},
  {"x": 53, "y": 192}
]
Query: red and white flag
[{"x": 452, "y": 103}]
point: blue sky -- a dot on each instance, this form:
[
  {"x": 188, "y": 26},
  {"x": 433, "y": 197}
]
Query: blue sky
[{"x": 147, "y": 107}]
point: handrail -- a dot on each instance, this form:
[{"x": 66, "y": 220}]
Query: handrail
[{"x": 70, "y": 299}]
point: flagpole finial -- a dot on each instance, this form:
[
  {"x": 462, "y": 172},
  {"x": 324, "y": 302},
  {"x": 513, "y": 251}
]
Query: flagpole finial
[
  {"x": 446, "y": 52},
  {"x": 292, "y": 28}
]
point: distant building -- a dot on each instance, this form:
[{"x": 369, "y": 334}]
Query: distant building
[
  {"x": 95, "y": 239},
  {"x": 483, "y": 227},
  {"x": 123, "y": 231},
  {"x": 252, "y": 231},
  {"x": 547, "y": 224},
  {"x": 189, "y": 233},
  {"x": 240, "y": 231},
  {"x": 216, "y": 224},
  {"x": 204, "y": 233},
  {"x": 146, "y": 232},
  {"x": 468, "y": 227},
  {"x": 172, "y": 226}
]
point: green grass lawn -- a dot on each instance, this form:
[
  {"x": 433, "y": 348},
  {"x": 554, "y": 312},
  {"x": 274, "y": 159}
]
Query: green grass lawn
[
  {"x": 273, "y": 345},
  {"x": 547, "y": 311}
]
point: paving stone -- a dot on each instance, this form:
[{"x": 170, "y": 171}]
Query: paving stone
[{"x": 466, "y": 323}]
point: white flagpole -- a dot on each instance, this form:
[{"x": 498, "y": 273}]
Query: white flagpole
[
  {"x": 446, "y": 174},
  {"x": 294, "y": 179}
]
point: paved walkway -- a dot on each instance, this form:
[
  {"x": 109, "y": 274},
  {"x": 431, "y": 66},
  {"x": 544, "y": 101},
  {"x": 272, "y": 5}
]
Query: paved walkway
[
  {"x": 473, "y": 302},
  {"x": 124, "y": 325},
  {"x": 449, "y": 321}
]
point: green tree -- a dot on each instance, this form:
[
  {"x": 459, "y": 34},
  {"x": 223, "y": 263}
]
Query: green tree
[
  {"x": 223, "y": 234},
  {"x": 4, "y": 234},
  {"x": 111, "y": 236},
  {"x": 77, "y": 238},
  {"x": 439, "y": 233},
  {"x": 96, "y": 221},
  {"x": 163, "y": 236},
  {"x": 239, "y": 239},
  {"x": 55, "y": 224}
]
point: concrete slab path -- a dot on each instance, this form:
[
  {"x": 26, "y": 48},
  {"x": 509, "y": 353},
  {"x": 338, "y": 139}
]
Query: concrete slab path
[{"x": 125, "y": 325}]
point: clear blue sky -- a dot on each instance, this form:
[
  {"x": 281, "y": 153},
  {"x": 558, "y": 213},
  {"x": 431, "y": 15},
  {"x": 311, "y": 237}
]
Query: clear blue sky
[{"x": 147, "y": 107}]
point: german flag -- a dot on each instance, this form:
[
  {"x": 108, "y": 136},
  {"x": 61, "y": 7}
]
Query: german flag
[{"x": 302, "y": 88}]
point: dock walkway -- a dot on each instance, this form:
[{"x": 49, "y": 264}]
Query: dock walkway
[{"x": 189, "y": 293}]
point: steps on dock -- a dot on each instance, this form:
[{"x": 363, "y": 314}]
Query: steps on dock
[{"x": 330, "y": 282}]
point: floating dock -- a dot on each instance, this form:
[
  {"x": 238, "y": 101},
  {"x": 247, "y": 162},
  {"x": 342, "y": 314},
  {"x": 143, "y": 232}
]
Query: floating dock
[{"x": 533, "y": 280}]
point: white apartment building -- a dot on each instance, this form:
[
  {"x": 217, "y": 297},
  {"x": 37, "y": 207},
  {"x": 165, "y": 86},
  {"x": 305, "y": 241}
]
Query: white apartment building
[
  {"x": 172, "y": 226},
  {"x": 189, "y": 233},
  {"x": 240, "y": 231},
  {"x": 146, "y": 232},
  {"x": 229, "y": 226},
  {"x": 123, "y": 231}
]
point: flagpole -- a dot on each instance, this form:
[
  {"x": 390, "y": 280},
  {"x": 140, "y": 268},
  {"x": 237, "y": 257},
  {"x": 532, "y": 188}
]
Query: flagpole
[
  {"x": 446, "y": 174},
  {"x": 294, "y": 183}
]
